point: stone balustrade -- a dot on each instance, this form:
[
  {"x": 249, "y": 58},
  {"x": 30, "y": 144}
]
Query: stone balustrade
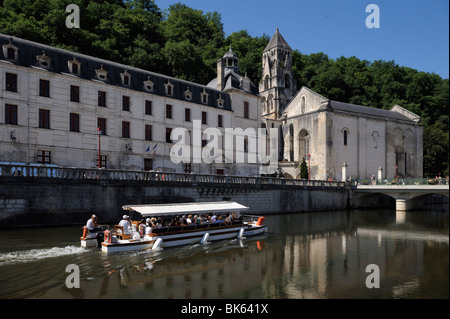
[{"x": 182, "y": 179}]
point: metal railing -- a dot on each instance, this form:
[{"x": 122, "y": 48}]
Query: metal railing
[
  {"x": 401, "y": 181},
  {"x": 192, "y": 179}
]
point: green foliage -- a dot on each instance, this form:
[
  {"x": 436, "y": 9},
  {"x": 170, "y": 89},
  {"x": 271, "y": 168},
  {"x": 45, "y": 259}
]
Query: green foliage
[
  {"x": 303, "y": 169},
  {"x": 249, "y": 49},
  {"x": 186, "y": 43},
  {"x": 436, "y": 154}
]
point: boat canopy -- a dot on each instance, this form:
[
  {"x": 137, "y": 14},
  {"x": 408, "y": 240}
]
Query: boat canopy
[{"x": 184, "y": 208}]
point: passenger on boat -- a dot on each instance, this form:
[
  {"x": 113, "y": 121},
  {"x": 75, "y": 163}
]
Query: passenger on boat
[
  {"x": 149, "y": 226},
  {"x": 92, "y": 224},
  {"x": 214, "y": 218},
  {"x": 228, "y": 219},
  {"x": 189, "y": 219},
  {"x": 159, "y": 223},
  {"x": 218, "y": 220},
  {"x": 125, "y": 223}
]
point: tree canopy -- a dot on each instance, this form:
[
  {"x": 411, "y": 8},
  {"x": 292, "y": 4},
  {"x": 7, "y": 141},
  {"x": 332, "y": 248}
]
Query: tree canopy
[{"x": 184, "y": 42}]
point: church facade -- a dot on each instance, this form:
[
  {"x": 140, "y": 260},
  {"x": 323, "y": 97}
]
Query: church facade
[{"x": 337, "y": 140}]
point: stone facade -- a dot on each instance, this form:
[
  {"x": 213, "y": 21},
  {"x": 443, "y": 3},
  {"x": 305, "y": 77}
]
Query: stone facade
[
  {"x": 52, "y": 101},
  {"x": 331, "y": 134}
]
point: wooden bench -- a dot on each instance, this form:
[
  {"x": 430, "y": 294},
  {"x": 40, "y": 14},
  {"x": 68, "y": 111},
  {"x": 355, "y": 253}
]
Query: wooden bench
[{"x": 120, "y": 234}]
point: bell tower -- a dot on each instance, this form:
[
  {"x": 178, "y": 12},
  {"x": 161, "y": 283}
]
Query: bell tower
[{"x": 277, "y": 86}]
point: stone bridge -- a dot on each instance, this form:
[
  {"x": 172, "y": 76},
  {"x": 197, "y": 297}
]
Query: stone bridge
[{"x": 406, "y": 197}]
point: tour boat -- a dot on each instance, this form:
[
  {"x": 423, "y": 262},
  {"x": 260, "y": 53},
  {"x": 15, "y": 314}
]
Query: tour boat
[{"x": 241, "y": 227}]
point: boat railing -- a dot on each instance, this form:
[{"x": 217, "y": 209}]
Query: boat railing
[
  {"x": 170, "y": 229},
  {"x": 250, "y": 218}
]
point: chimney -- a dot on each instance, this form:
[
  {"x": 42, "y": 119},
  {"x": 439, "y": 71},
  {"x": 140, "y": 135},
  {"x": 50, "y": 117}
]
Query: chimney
[{"x": 220, "y": 75}]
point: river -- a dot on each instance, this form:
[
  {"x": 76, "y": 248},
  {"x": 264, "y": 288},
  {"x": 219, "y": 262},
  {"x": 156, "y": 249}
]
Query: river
[{"x": 320, "y": 255}]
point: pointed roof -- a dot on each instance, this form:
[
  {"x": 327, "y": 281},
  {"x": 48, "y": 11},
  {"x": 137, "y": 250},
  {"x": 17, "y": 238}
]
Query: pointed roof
[
  {"x": 230, "y": 54},
  {"x": 277, "y": 41}
]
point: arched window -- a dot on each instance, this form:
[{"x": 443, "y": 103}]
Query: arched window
[
  {"x": 303, "y": 138},
  {"x": 291, "y": 143},
  {"x": 345, "y": 133},
  {"x": 400, "y": 161},
  {"x": 266, "y": 82},
  {"x": 303, "y": 105},
  {"x": 375, "y": 137},
  {"x": 270, "y": 103},
  {"x": 287, "y": 81}
]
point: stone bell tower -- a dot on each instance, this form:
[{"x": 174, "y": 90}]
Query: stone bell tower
[{"x": 277, "y": 87}]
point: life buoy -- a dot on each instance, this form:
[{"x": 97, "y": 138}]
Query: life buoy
[
  {"x": 85, "y": 232},
  {"x": 260, "y": 221},
  {"x": 108, "y": 236}
]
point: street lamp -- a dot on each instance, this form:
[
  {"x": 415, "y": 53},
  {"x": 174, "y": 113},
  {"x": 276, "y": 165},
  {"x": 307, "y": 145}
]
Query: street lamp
[
  {"x": 309, "y": 166},
  {"x": 99, "y": 133},
  {"x": 396, "y": 172}
]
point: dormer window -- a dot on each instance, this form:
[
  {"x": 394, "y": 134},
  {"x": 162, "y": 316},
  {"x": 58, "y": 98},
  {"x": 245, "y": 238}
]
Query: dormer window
[
  {"x": 204, "y": 97},
  {"x": 10, "y": 51},
  {"x": 220, "y": 101},
  {"x": 126, "y": 78},
  {"x": 169, "y": 88},
  {"x": 74, "y": 66},
  {"x": 43, "y": 60},
  {"x": 148, "y": 85},
  {"x": 101, "y": 74},
  {"x": 188, "y": 94}
]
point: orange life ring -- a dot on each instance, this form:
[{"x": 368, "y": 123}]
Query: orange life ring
[
  {"x": 85, "y": 232},
  {"x": 107, "y": 237},
  {"x": 260, "y": 221}
]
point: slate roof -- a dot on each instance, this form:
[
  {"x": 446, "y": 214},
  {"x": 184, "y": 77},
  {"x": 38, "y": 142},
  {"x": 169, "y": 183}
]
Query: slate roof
[
  {"x": 232, "y": 81},
  {"x": 277, "y": 41},
  {"x": 365, "y": 110},
  {"x": 28, "y": 51}
]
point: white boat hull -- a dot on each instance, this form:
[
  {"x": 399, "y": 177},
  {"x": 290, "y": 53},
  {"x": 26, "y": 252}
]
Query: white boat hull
[
  {"x": 88, "y": 242},
  {"x": 181, "y": 238}
]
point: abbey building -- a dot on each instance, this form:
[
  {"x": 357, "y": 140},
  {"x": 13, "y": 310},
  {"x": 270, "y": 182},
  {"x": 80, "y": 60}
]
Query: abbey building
[
  {"x": 338, "y": 140},
  {"x": 63, "y": 108}
]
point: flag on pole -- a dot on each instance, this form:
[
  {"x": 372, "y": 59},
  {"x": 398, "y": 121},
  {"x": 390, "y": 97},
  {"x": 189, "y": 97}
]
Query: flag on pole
[
  {"x": 148, "y": 149},
  {"x": 154, "y": 148}
]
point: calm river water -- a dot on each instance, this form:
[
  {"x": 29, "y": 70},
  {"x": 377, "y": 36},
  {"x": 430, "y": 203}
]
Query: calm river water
[{"x": 313, "y": 255}]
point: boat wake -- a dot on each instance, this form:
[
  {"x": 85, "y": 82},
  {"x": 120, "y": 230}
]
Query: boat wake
[{"x": 25, "y": 256}]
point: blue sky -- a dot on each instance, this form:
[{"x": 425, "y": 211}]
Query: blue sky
[{"x": 412, "y": 33}]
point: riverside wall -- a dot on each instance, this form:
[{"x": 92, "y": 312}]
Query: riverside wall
[{"x": 31, "y": 196}]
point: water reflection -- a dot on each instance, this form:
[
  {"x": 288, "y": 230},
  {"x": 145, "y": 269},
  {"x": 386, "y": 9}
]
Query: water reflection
[{"x": 314, "y": 255}]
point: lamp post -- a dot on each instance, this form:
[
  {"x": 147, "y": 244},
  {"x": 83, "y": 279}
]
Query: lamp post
[
  {"x": 99, "y": 133},
  {"x": 309, "y": 166},
  {"x": 396, "y": 171}
]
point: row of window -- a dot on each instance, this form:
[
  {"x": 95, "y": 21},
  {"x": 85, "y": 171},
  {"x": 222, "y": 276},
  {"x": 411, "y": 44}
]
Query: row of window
[
  {"x": 11, "y": 116},
  {"x": 11, "y": 53},
  {"x": 44, "y": 91},
  {"x": 45, "y": 157},
  {"x": 74, "y": 123}
]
